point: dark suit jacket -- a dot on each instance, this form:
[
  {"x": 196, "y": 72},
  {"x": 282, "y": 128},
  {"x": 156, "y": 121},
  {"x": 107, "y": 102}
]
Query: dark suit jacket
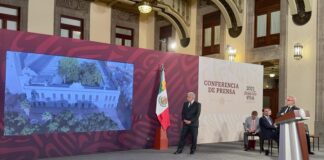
[
  {"x": 284, "y": 108},
  {"x": 267, "y": 130},
  {"x": 192, "y": 113}
]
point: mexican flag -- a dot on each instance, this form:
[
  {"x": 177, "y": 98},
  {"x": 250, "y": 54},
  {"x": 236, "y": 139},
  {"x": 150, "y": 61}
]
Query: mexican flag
[{"x": 162, "y": 106}]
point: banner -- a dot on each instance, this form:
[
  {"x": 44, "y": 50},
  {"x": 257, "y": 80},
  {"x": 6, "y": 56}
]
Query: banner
[{"x": 228, "y": 93}]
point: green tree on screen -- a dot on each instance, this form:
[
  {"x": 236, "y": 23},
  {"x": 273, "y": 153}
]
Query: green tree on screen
[
  {"x": 89, "y": 74},
  {"x": 96, "y": 122},
  {"x": 69, "y": 70}
]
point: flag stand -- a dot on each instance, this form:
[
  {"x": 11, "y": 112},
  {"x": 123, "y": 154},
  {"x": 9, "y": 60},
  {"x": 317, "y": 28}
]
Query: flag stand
[{"x": 161, "y": 139}]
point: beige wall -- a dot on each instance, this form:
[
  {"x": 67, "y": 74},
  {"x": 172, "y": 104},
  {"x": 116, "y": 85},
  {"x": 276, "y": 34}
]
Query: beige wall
[
  {"x": 41, "y": 16},
  {"x": 100, "y": 22},
  {"x": 301, "y": 75},
  {"x": 191, "y": 48},
  {"x": 146, "y": 30},
  {"x": 239, "y": 42}
]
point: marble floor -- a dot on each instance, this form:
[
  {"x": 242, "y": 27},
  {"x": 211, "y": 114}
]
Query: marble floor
[{"x": 215, "y": 151}]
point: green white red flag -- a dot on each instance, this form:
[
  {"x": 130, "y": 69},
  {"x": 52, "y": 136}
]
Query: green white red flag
[{"x": 162, "y": 105}]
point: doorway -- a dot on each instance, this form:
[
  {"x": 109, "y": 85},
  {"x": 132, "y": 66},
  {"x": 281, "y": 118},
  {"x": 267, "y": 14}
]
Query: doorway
[{"x": 270, "y": 85}]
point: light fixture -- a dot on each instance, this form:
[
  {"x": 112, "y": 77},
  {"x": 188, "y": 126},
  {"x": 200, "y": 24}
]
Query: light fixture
[
  {"x": 298, "y": 51},
  {"x": 231, "y": 53},
  {"x": 145, "y": 7},
  {"x": 173, "y": 46},
  {"x": 272, "y": 75}
]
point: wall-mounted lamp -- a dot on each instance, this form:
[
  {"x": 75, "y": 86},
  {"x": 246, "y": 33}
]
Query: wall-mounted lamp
[
  {"x": 271, "y": 75},
  {"x": 173, "y": 46},
  {"x": 231, "y": 51},
  {"x": 145, "y": 7},
  {"x": 298, "y": 51}
]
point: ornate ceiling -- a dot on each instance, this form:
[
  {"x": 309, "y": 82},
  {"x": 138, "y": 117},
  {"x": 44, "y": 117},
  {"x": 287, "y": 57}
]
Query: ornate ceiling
[{"x": 178, "y": 13}]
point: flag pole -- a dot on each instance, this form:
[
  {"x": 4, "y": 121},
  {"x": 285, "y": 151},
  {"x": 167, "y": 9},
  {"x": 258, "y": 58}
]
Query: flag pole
[
  {"x": 161, "y": 138},
  {"x": 162, "y": 67}
]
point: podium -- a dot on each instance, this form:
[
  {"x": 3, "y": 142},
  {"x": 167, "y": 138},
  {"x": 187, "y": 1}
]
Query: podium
[{"x": 293, "y": 144}]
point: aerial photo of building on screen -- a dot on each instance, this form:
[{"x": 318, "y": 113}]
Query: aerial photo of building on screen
[{"x": 47, "y": 94}]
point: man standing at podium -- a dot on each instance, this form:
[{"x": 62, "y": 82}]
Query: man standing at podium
[
  {"x": 190, "y": 118},
  {"x": 290, "y": 107}
]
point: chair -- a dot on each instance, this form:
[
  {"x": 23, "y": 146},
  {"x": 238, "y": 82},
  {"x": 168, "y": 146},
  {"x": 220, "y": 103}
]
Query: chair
[
  {"x": 315, "y": 137},
  {"x": 261, "y": 143},
  {"x": 270, "y": 144},
  {"x": 252, "y": 137},
  {"x": 251, "y": 142}
]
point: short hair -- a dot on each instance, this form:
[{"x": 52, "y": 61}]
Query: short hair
[
  {"x": 292, "y": 97},
  {"x": 192, "y": 94},
  {"x": 254, "y": 113},
  {"x": 266, "y": 108}
]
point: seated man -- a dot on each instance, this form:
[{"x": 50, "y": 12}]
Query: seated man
[
  {"x": 251, "y": 127},
  {"x": 268, "y": 128}
]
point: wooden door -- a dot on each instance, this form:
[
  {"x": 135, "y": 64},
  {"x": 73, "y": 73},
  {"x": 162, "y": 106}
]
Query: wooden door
[{"x": 270, "y": 100}]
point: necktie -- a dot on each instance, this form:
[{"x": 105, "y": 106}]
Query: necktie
[
  {"x": 269, "y": 120},
  {"x": 288, "y": 109},
  {"x": 189, "y": 104},
  {"x": 253, "y": 125}
]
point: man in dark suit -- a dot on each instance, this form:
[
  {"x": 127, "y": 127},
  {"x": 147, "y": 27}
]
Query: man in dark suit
[
  {"x": 290, "y": 107},
  {"x": 268, "y": 128},
  {"x": 190, "y": 118}
]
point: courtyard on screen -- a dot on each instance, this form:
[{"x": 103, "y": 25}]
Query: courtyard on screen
[{"x": 46, "y": 93}]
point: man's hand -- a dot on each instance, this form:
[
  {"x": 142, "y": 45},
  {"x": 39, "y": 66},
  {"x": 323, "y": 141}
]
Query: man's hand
[{"x": 187, "y": 121}]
